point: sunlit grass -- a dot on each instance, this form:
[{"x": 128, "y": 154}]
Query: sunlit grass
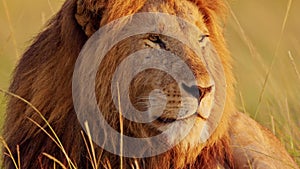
[
  {"x": 265, "y": 48},
  {"x": 95, "y": 160},
  {"x": 52, "y": 135}
]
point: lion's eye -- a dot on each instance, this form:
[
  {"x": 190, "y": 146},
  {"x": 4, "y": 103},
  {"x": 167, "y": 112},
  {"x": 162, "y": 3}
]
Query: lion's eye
[
  {"x": 156, "y": 39},
  {"x": 153, "y": 38},
  {"x": 202, "y": 37}
]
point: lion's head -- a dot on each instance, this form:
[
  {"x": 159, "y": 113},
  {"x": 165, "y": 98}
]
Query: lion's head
[{"x": 44, "y": 77}]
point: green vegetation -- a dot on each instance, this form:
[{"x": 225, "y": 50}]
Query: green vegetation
[{"x": 263, "y": 39}]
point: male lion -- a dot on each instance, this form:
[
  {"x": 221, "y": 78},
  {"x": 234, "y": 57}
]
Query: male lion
[{"x": 44, "y": 78}]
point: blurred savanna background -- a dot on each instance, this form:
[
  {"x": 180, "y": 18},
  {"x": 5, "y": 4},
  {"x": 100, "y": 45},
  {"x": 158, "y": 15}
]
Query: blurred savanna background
[{"x": 263, "y": 37}]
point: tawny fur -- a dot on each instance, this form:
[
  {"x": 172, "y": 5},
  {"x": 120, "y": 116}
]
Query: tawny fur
[{"x": 44, "y": 77}]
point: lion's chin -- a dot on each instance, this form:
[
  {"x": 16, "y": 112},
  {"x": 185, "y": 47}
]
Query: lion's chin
[{"x": 188, "y": 133}]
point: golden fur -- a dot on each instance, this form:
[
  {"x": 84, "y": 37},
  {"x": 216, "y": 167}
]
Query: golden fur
[{"x": 44, "y": 77}]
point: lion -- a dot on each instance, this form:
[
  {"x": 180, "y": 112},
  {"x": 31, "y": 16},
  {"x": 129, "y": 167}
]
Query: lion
[{"x": 44, "y": 74}]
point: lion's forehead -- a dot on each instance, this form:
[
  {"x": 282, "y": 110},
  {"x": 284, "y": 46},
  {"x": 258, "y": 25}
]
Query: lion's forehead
[{"x": 180, "y": 8}]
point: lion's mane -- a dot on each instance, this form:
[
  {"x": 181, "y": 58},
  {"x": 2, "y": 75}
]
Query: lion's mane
[{"x": 44, "y": 78}]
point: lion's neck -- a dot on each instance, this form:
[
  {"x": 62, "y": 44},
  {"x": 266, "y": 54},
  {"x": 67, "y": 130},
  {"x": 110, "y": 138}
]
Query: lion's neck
[{"x": 215, "y": 155}]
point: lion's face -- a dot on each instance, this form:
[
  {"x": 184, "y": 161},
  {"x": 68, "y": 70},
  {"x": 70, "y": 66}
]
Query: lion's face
[
  {"x": 175, "y": 106},
  {"x": 156, "y": 91}
]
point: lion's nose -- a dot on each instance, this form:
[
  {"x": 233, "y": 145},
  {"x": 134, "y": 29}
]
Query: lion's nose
[
  {"x": 196, "y": 91},
  {"x": 192, "y": 90}
]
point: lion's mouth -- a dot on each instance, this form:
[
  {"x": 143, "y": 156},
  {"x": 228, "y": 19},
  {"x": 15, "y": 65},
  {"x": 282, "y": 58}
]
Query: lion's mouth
[
  {"x": 195, "y": 104},
  {"x": 171, "y": 120}
]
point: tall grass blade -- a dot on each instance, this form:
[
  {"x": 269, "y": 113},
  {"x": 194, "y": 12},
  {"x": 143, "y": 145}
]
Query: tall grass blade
[
  {"x": 121, "y": 127},
  {"x": 273, "y": 58},
  {"x": 11, "y": 28},
  {"x": 71, "y": 164}
]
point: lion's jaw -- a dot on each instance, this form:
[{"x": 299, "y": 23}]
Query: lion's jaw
[{"x": 177, "y": 107}]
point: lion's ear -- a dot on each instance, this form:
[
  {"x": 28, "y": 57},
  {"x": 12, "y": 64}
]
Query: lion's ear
[{"x": 89, "y": 13}]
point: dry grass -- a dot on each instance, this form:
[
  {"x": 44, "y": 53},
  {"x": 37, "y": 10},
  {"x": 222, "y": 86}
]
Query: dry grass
[
  {"x": 263, "y": 37},
  {"x": 265, "y": 47},
  {"x": 95, "y": 162}
]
